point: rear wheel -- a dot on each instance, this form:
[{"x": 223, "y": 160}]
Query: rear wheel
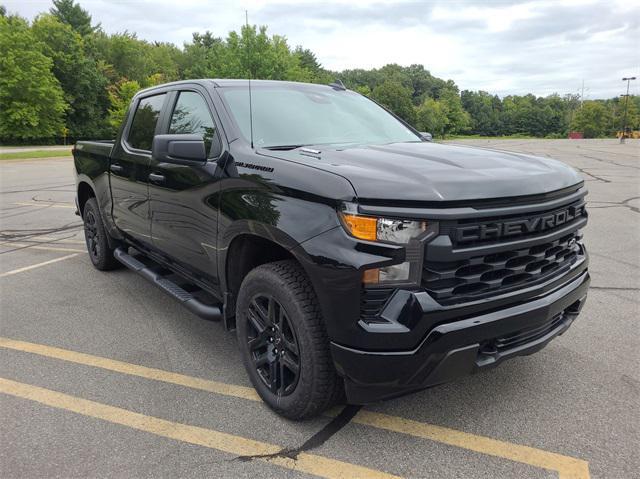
[
  {"x": 95, "y": 236},
  {"x": 283, "y": 341}
]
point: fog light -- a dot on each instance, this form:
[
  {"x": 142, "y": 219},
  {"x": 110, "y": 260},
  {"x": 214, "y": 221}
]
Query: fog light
[
  {"x": 397, "y": 272},
  {"x": 388, "y": 274}
]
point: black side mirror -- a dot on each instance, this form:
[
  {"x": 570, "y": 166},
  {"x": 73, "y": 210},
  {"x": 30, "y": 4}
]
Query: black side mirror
[
  {"x": 179, "y": 149},
  {"x": 426, "y": 136}
]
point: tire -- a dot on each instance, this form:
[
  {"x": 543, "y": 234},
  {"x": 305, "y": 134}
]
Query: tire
[
  {"x": 277, "y": 308},
  {"x": 95, "y": 236}
]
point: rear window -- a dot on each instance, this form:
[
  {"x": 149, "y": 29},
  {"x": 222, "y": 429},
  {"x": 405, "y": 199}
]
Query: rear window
[{"x": 143, "y": 126}]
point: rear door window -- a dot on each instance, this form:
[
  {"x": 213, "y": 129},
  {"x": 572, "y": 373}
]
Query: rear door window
[
  {"x": 143, "y": 126},
  {"x": 191, "y": 116}
]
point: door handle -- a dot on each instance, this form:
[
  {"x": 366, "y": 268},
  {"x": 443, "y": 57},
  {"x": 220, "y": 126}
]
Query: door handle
[
  {"x": 156, "y": 178},
  {"x": 115, "y": 168}
]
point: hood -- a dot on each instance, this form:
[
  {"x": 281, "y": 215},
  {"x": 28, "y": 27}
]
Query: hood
[{"x": 436, "y": 172}]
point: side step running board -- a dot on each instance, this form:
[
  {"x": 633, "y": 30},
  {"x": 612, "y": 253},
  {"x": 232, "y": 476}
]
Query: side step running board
[{"x": 205, "y": 311}]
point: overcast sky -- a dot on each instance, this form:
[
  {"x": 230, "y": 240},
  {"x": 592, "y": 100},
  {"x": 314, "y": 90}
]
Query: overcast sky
[{"x": 499, "y": 46}]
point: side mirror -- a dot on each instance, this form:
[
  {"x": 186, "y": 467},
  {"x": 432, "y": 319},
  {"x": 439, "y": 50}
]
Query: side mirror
[
  {"x": 179, "y": 149},
  {"x": 426, "y": 136}
]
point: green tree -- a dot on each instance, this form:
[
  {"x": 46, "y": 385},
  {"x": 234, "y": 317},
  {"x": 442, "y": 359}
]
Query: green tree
[
  {"x": 253, "y": 51},
  {"x": 363, "y": 90},
  {"x": 457, "y": 118},
  {"x": 71, "y": 13},
  {"x": 593, "y": 120},
  {"x": 80, "y": 76},
  {"x": 248, "y": 52},
  {"x": 126, "y": 56},
  {"x": 617, "y": 108},
  {"x": 432, "y": 117},
  {"x": 31, "y": 100},
  {"x": 355, "y": 79},
  {"x": 415, "y": 78},
  {"x": 484, "y": 112},
  {"x": 164, "y": 59},
  {"x": 202, "y": 57},
  {"x": 396, "y": 98},
  {"x": 423, "y": 83},
  {"x": 120, "y": 96},
  {"x": 308, "y": 60}
]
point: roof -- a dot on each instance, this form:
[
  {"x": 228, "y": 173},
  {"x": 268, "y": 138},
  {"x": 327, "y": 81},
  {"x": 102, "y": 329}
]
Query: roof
[{"x": 230, "y": 82}]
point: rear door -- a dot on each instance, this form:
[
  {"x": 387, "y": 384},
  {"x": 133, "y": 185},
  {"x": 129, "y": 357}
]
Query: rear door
[
  {"x": 184, "y": 195},
  {"x": 130, "y": 168}
]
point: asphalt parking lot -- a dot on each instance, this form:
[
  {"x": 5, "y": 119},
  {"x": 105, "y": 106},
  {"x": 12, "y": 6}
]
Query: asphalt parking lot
[{"x": 103, "y": 375}]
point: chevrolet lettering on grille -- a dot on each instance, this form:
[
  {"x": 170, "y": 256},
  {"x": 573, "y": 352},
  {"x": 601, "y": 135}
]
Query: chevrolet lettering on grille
[{"x": 536, "y": 224}]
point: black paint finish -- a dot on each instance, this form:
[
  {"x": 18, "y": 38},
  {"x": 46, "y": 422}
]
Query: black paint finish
[{"x": 189, "y": 214}]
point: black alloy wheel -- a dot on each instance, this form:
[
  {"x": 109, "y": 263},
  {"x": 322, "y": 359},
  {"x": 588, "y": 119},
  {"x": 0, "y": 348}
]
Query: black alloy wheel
[
  {"x": 97, "y": 238},
  {"x": 283, "y": 341},
  {"x": 91, "y": 235},
  {"x": 273, "y": 345}
]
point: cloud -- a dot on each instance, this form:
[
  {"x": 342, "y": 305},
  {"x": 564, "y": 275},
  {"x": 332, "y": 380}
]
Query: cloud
[{"x": 504, "y": 47}]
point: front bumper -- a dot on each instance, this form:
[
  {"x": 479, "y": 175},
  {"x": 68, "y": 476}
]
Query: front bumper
[{"x": 462, "y": 347}]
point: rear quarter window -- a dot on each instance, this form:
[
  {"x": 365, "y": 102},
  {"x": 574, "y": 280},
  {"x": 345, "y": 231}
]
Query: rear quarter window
[{"x": 145, "y": 118}]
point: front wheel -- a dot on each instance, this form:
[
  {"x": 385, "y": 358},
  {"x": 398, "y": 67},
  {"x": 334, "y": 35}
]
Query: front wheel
[{"x": 283, "y": 341}]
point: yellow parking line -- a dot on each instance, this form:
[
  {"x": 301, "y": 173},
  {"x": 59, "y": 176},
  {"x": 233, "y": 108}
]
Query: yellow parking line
[
  {"x": 52, "y": 239},
  {"x": 38, "y": 265},
  {"x": 567, "y": 467},
  {"x": 229, "y": 443},
  {"x": 49, "y": 204},
  {"x": 131, "y": 369},
  {"x": 42, "y": 241},
  {"x": 47, "y": 240},
  {"x": 43, "y": 248}
]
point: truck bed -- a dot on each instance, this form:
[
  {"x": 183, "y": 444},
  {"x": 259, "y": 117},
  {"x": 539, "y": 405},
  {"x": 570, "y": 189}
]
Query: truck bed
[
  {"x": 96, "y": 147},
  {"x": 92, "y": 158}
]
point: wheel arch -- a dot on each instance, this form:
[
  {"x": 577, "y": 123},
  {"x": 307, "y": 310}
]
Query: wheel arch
[
  {"x": 84, "y": 192},
  {"x": 247, "y": 250}
]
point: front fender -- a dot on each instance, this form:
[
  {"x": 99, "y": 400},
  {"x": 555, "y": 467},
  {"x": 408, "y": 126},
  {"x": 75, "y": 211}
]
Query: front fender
[
  {"x": 283, "y": 220},
  {"x": 334, "y": 262}
]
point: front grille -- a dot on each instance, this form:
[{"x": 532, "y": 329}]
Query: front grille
[{"x": 497, "y": 273}]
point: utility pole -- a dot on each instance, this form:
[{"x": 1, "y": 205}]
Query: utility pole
[
  {"x": 626, "y": 101},
  {"x": 582, "y": 94}
]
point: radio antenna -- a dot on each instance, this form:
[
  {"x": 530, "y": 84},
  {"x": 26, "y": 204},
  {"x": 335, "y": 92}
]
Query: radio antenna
[{"x": 246, "y": 21}]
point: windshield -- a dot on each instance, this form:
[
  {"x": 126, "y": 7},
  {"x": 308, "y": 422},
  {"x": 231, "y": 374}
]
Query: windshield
[{"x": 287, "y": 115}]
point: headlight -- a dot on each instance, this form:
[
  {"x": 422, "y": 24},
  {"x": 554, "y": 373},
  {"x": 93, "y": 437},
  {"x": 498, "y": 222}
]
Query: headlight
[
  {"x": 382, "y": 229},
  {"x": 390, "y": 230},
  {"x": 399, "y": 231}
]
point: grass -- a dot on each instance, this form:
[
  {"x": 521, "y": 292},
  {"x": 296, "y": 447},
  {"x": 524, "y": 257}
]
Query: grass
[
  {"x": 26, "y": 155},
  {"x": 478, "y": 137}
]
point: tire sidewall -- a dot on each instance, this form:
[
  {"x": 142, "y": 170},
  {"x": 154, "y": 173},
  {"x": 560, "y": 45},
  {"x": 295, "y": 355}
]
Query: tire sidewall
[
  {"x": 102, "y": 260},
  {"x": 265, "y": 281}
]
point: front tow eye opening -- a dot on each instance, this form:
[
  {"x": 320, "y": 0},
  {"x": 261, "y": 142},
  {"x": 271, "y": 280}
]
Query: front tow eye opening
[{"x": 488, "y": 349}]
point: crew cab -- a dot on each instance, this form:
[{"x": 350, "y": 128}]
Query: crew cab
[{"x": 354, "y": 258}]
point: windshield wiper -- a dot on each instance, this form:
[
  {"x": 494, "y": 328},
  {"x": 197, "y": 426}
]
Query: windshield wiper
[{"x": 283, "y": 147}]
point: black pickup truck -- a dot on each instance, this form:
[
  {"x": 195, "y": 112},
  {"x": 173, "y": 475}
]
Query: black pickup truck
[{"x": 351, "y": 255}]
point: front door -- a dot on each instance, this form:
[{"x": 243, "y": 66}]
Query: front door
[
  {"x": 130, "y": 169},
  {"x": 184, "y": 196}
]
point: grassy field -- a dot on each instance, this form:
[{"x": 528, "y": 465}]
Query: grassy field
[
  {"x": 478, "y": 137},
  {"x": 23, "y": 155}
]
